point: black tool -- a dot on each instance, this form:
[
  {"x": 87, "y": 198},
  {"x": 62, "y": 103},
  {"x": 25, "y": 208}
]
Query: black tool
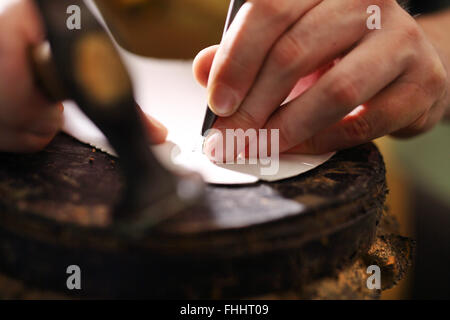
[
  {"x": 89, "y": 69},
  {"x": 210, "y": 117}
]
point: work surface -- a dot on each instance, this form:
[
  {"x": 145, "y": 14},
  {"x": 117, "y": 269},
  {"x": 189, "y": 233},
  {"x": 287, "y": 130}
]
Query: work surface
[{"x": 242, "y": 241}]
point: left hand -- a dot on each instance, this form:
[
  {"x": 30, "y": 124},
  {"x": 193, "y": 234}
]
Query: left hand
[{"x": 355, "y": 84}]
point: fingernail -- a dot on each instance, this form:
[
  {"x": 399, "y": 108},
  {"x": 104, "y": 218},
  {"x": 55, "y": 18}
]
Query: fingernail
[{"x": 223, "y": 100}]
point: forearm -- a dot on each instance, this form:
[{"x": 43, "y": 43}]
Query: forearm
[{"x": 436, "y": 26}]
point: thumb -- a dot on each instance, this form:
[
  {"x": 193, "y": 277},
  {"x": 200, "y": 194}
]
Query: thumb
[{"x": 156, "y": 131}]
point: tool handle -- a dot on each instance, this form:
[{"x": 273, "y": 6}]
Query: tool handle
[
  {"x": 235, "y": 6},
  {"x": 211, "y": 117},
  {"x": 45, "y": 74}
]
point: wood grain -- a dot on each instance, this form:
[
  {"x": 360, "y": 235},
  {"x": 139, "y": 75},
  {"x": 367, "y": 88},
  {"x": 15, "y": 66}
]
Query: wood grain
[{"x": 241, "y": 241}]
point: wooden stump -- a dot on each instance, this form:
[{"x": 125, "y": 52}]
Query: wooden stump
[{"x": 243, "y": 241}]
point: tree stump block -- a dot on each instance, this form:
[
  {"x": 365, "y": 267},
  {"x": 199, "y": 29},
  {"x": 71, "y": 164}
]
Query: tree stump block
[{"x": 244, "y": 241}]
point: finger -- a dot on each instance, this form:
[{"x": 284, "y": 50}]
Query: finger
[
  {"x": 155, "y": 129},
  {"x": 357, "y": 78},
  {"x": 29, "y": 24},
  {"x": 47, "y": 123},
  {"x": 422, "y": 124},
  {"x": 24, "y": 29},
  {"x": 430, "y": 79},
  {"x": 202, "y": 64},
  {"x": 23, "y": 141},
  {"x": 18, "y": 94},
  {"x": 255, "y": 29},
  {"x": 307, "y": 82},
  {"x": 396, "y": 107},
  {"x": 31, "y": 110},
  {"x": 297, "y": 54}
]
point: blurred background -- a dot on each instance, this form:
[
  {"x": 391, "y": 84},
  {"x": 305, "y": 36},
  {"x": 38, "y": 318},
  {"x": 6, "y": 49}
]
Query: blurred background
[{"x": 418, "y": 173}]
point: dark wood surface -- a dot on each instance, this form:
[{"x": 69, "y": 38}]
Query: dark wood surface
[{"x": 241, "y": 241}]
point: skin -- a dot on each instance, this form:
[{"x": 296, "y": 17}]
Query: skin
[
  {"x": 346, "y": 84},
  {"x": 28, "y": 121},
  {"x": 399, "y": 75}
]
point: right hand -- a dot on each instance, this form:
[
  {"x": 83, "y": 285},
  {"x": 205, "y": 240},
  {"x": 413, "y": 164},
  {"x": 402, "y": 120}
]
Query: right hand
[{"x": 356, "y": 83}]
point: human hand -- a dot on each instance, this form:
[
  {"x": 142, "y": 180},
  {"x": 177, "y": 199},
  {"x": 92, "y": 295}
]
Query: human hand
[
  {"x": 28, "y": 121},
  {"x": 355, "y": 84}
]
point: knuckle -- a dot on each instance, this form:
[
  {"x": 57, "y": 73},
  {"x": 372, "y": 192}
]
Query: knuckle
[
  {"x": 359, "y": 129},
  {"x": 409, "y": 37},
  {"x": 287, "y": 52},
  {"x": 243, "y": 119},
  {"x": 411, "y": 32},
  {"x": 273, "y": 8},
  {"x": 437, "y": 79},
  {"x": 311, "y": 20},
  {"x": 344, "y": 92},
  {"x": 421, "y": 125},
  {"x": 422, "y": 121}
]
